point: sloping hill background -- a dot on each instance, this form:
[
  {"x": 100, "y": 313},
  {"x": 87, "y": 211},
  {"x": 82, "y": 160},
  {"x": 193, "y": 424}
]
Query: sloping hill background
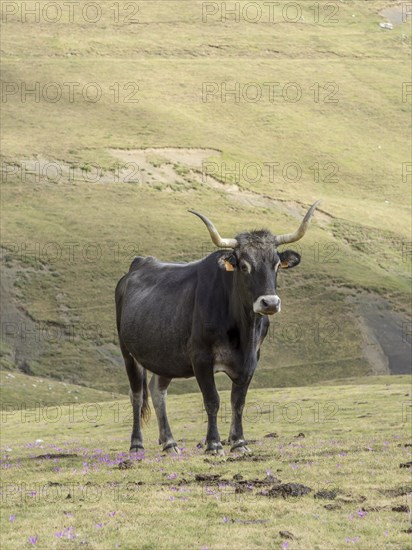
[{"x": 81, "y": 198}]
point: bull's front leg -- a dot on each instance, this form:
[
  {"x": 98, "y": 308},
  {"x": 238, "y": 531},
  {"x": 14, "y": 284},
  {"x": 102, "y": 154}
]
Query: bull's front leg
[
  {"x": 206, "y": 380},
  {"x": 236, "y": 438}
]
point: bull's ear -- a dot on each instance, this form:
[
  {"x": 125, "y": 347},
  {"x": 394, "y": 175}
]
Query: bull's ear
[
  {"x": 288, "y": 259},
  {"x": 227, "y": 262}
]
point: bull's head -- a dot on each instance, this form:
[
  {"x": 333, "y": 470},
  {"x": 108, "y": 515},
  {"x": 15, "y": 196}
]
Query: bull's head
[{"x": 255, "y": 261}]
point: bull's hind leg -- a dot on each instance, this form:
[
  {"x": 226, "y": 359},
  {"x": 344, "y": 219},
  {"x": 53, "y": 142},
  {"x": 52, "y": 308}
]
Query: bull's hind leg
[
  {"x": 137, "y": 380},
  {"x": 158, "y": 390}
]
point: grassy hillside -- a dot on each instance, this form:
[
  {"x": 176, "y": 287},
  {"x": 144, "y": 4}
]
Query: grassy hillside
[
  {"x": 21, "y": 392},
  {"x": 72, "y": 482},
  {"x": 336, "y": 126}
]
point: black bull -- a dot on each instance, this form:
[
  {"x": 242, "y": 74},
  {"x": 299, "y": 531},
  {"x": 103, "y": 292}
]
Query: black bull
[{"x": 195, "y": 319}]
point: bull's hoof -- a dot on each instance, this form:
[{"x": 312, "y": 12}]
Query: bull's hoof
[
  {"x": 240, "y": 447},
  {"x": 244, "y": 449},
  {"x": 215, "y": 449},
  {"x": 171, "y": 449},
  {"x": 136, "y": 448},
  {"x": 215, "y": 452}
]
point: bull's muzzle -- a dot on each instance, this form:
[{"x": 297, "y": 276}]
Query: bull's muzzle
[{"x": 267, "y": 305}]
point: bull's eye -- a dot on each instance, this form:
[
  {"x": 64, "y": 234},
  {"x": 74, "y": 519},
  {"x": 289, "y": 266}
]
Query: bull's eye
[{"x": 245, "y": 267}]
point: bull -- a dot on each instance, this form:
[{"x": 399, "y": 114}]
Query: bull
[{"x": 195, "y": 319}]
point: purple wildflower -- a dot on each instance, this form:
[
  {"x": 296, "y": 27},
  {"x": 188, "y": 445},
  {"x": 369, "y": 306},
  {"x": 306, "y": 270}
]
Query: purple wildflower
[
  {"x": 12, "y": 518},
  {"x": 285, "y": 545},
  {"x": 225, "y": 519},
  {"x": 111, "y": 514},
  {"x": 68, "y": 532},
  {"x": 362, "y": 513},
  {"x": 99, "y": 525},
  {"x": 33, "y": 540},
  {"x": 353, "y": 541},
  {"x": 172, "y": 476}
]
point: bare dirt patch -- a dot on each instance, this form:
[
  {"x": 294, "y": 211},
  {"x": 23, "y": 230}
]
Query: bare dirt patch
[
  {"x": 288, "y": 490},
  {"x": 146, "y": 158},
  {"x": 169, "y": 168},
  {"x": 387, "y": 345},
  {"x": 270, "y": 486},
  {"x": 56, "y": 455},
  {"x": 18, "y": 328}
]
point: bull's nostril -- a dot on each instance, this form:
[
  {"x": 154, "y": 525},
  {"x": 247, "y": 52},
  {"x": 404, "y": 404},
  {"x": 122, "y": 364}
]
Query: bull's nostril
[{"x": 267, "y": 304}]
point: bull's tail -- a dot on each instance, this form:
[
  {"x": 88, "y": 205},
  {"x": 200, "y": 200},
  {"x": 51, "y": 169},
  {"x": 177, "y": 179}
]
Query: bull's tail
[{"x": 145, "y": 413}]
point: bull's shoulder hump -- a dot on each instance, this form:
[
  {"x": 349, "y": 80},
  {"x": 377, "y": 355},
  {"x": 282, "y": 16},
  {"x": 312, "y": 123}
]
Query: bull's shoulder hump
[{"x": 139, "y": 261}]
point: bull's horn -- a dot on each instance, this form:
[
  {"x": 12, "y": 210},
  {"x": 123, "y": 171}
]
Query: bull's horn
[
  {"x": 298, "y": 234},
  {"x": 216, "y": 238}
]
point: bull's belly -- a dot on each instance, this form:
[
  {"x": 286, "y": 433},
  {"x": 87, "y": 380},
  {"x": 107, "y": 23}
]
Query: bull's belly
[
  {"x": 161, "y": 359},
  {"x": 164, "y": 363},
  {"x": 167, "y": 368}
]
